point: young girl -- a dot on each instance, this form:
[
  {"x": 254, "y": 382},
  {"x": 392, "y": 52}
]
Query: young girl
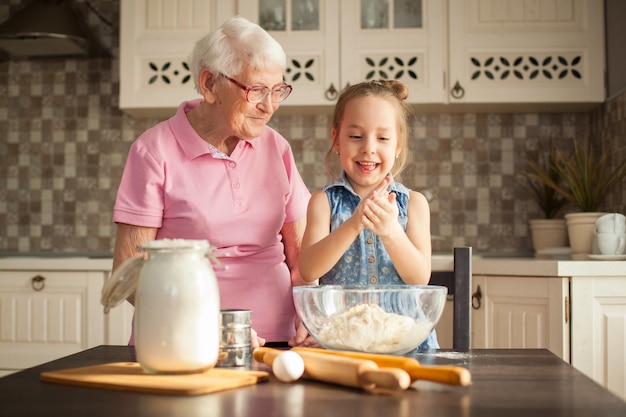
[{"x": 363, "y": 227}]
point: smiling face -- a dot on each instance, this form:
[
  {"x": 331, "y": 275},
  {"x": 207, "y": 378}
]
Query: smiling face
[
  {"x": 243, "y": 119},
  {"x": 367, "y": 141}
]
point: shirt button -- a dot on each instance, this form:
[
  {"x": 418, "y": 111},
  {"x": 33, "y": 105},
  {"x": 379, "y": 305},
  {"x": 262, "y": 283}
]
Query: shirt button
[
  {"x": 370, "y": 240},
  {"x": 232, "y": 164},
  {"x": 236, "y": 185},
  {"x": 373, "y": 280},
  {"x": 371, "y": 259}
]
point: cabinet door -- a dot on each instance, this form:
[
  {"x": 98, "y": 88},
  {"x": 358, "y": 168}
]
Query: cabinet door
[
  {"x": 521, "y": 312},
  {"x": 537, "y": 51},
  {"x": 47, "y": 315},
  {"x": 599, "y": 330},
  {"x": 156, "y": 39},
  {"x": 308, "y": 31},
  {"x": 118, "y": 322},
  {"x": 393, "y": 39},
  {"x": 445, "y": 325}
]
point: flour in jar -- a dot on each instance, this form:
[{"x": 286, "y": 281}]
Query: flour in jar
[{"x": 369, "y": 328}]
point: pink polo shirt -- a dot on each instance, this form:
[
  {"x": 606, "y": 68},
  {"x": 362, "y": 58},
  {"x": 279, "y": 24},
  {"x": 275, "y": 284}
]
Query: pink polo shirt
[{"x": 174, "y": 181}]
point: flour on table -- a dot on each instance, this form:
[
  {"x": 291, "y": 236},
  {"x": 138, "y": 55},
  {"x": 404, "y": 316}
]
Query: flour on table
[{"x": 369, "y": 328}]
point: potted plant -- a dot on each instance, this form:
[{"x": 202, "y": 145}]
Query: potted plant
[
  {"x": 587, "y": 179},
  {"x": 551, "y": 230}
]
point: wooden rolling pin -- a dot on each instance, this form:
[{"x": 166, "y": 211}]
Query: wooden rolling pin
[
  {"x": 343, "y": 370},
  {"x": 451, "y": 375}
]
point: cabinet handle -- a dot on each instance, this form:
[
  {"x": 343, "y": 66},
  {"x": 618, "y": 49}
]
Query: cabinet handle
[
  {"x": 37, "y": 283},
  {"x": 457, "y": 91},
  {"x": 331, "y": 93},
  {"x": 477, "y": 298}
]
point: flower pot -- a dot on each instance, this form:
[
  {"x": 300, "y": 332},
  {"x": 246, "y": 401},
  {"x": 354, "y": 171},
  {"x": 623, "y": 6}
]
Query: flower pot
[
  {"x": 580, "y": 228},
  {"x": 548, "y": 233}
]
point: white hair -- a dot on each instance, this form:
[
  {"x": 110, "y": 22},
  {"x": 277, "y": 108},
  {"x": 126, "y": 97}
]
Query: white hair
[{"x": 237, "y": 44}]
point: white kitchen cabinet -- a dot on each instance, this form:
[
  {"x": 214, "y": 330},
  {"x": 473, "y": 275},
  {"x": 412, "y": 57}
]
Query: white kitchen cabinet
[
  {"x": 51, "y": 308},
  {"x": 470, "y": 54},
  {"x": 541, "y": 51},
  {"x": 599, "y": 330},
  {"x": 526, "y": 302},
  {"x": 521, "y": 312},
  {"x": 47, "y": 315},
  {"x": 156, "y": 39},
  {"x": 331, "y": 44}
]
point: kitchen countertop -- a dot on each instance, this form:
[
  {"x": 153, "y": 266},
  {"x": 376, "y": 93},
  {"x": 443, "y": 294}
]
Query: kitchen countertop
[
  {"x": 69, "y": 263},
  {"x": 505, "y": 382},
  {"x": 527, "y": 266},
  {"x": 481, "y": 264},
  {"x": 84, "y": 262}
]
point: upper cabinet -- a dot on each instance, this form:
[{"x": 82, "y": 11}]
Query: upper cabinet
[
  {"x": 453, "y": 52},
  {"x": 540, "y": 51},
  {"x": 331, "y": 44},
  {"x": 156, "y": 39}
]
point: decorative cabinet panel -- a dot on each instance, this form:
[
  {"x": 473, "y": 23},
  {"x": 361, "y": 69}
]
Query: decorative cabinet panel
[
  {"x": 521, "y": 312},
  {"x": 461, "y": 52},
  {"x": 46, "y": 315},
  {"x": 156, "y": 39},
  {"x": 599, "y": 330},
  {"x": 118, "y": 324},
  {"x": 332, "y": 44},
  {"x": 538, "y": 51},
  {"x": 311, "y": 44}
]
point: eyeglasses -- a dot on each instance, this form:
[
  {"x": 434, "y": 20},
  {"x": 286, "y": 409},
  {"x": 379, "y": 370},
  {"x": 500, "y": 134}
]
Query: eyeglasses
[{"x": 257, "y": 93}]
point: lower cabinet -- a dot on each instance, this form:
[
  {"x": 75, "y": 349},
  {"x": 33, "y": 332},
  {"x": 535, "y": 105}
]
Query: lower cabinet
[
  {"x": 45, "y": 315},
  {"x": 521, "y": 312},
  {"x": 599, "y": 330},
  {"x": 581, "y": 318}
]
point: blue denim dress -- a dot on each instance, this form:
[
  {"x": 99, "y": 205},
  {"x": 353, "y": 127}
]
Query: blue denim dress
[{"x": 366, "y": 261}]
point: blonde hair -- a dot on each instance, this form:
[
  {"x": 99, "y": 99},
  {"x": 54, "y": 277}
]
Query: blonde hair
[{"x": 393, "y": 91}]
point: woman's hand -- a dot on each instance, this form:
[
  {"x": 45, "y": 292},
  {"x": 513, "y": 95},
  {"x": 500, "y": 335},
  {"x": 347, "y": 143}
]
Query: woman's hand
[
  {"x": 255, "y": 340},
  {"x": 302, "y": 337}
]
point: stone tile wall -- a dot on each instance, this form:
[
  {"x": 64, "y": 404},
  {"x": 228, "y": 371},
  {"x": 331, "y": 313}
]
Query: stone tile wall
[{"x": 63, "y": 144}]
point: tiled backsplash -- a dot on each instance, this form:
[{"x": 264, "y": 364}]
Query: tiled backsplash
[{"x": 63, "y": 144}]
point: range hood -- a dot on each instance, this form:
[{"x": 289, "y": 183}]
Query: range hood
[{"x": 48, "y": 28}]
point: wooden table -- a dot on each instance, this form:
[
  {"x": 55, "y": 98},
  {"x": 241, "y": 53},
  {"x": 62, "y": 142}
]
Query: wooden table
[{"x": 506, "y": 383}]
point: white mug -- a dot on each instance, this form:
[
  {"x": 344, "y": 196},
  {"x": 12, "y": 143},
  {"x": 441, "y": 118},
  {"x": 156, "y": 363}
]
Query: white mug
[
  {"x": 611, "y": 223},
  {"x": 611, "y": 243}
]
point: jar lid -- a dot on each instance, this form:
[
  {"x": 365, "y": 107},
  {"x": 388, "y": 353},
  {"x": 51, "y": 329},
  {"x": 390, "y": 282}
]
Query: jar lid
[
  {"x": 124, "y": 280},
  {"x": 177, "y": 244}
]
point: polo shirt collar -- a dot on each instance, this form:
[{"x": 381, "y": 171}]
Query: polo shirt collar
[{"x": 188, "y": 139}]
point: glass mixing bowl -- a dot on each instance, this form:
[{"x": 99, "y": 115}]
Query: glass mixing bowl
[{"x": 375, "y": 319}]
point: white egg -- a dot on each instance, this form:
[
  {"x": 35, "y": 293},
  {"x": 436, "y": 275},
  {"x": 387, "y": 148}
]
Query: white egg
[{"x": 288, "y": 366}]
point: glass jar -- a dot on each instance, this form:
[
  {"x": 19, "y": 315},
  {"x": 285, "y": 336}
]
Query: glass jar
[{"x": 177, "y": 306}]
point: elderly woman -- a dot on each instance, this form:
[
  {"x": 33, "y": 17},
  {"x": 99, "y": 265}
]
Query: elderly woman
[{"x": 216, "y": 171}]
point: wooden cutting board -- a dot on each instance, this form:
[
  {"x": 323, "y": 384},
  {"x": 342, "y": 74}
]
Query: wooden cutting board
[{"x": 129, "y": 376}]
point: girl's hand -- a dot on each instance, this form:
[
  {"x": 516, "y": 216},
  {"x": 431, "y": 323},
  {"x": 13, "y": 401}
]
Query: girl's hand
[
  {"x": 379, "y": 192},
  {"x": 381, "y": 215}
]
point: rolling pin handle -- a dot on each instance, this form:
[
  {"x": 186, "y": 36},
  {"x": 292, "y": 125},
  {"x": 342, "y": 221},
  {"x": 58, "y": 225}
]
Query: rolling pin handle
[{"x": 386, "y": 380}]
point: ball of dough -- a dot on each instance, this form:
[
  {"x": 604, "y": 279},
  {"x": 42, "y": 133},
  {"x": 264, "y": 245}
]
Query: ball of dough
[{"x": 288, "y": 366}]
